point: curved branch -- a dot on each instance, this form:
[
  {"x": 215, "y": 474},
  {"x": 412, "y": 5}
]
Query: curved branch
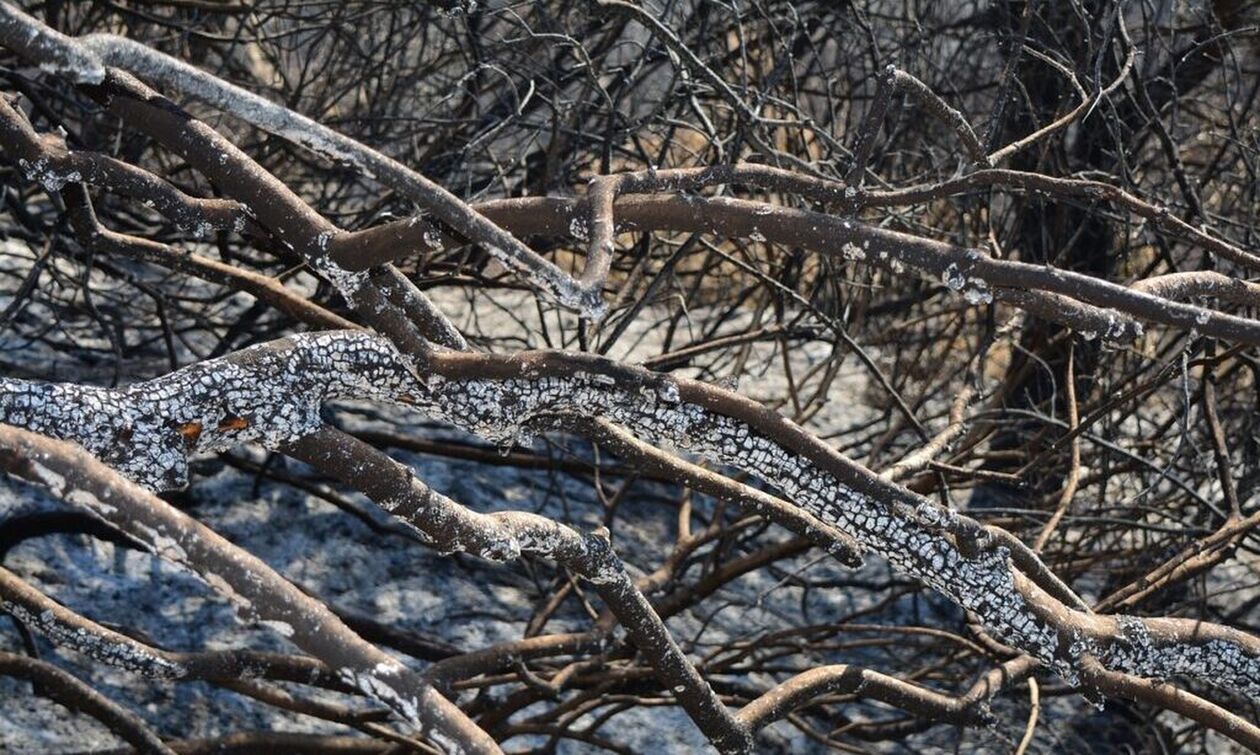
[
  {"x": 76, "y": 695},
  {"x": 93, "y": 235},
  {"x": 965, "y": 709},
  {"x": 47, "y": 160},
  {"x": 892, "y": 79},
  {"x": 64, "y": 627},
  {"x": 86, "y": 59},
  {"x": 256, "y": 591},
  {"x": 1082, "y": 110},
  {"x": 506, "y": 535},
  {"x": 1090, "y": 305},
  {"x": 237, "y": 670},
  {"x": 499, "y": 397},
  {"x": 1169, "y": 697}
]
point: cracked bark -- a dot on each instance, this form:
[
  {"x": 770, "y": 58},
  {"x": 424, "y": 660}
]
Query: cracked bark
[{"x": 499, "y": 397}]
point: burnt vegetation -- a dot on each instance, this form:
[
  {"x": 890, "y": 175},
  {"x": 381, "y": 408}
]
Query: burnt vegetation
[{"x": 761, "y": 376}]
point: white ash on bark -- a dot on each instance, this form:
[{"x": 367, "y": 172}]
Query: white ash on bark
[{"x": 272, "y": 394}]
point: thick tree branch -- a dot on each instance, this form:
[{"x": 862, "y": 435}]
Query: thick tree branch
[
  {"x": 254, "y": 589},
  {"x": 498, "y": 397}
]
